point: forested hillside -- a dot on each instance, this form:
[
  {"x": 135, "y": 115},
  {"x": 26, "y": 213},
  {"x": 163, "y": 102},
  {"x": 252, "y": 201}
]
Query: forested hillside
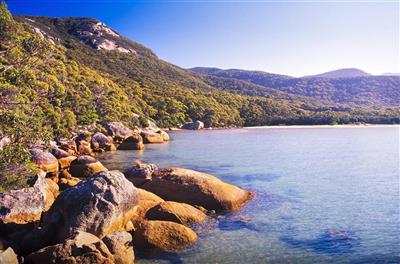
[
  {"x": 56, "y": 74},
  {"x": 358, "y": 90}
]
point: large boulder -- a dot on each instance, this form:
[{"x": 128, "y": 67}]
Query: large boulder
[
  {"x": 101, "y": 142},
  {"x": 100, "y": 205},
  {"x": 133, "y": 142},
  {"x": 44, "y": 161},
  {"x": 146, "y": 201},
  {"x": 163, "y": 236},
  {"x": 196, "y": 188},
  {"x": 150, "y": 137},
  {"x": 24, "y": 207},
  {"x": 193, "y": 125},
  {"x": 117, "y": 130},
  {"x": 180, "y": 213},
  {"x": 86, "y": 166},
  {"x": 120, "y": 245},
  {"x": 140, "y": 172},
  {"x": 64, "y": 158},
  {"x": 80, "y": 248},
  {"x": 8, "y": 256}
]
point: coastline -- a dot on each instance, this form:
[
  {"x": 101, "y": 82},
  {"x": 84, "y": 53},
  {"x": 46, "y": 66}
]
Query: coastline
[
  {"x": 328, "y": 126},
  {"x": 289, "y": 126}
]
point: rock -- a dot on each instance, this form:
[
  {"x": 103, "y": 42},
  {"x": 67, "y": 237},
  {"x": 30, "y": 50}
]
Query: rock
[
  {"x": 140, "y": 173},
  {"x": 64, "y": 158},
  {"x": 8, "y": 257},
  {"x": 84, "y": 148},
  {"x": 134, "y": 142},
  {"x": 151, "y": 137},
  {"x": 120, "y": 246},
  {"x": 86, "y": 166},
  {"x": 101, "y": 142},
  {"x": 69, "y": 146},
  {"x": 117, "y": 130},
  {"x": 193, "y": 125},
  {"x": 100, "y": 205},
  {"x": 83, "y": 135},
  {"x": 22, "y": 208},
  {"x": 4, "y": 141},
  {"x": 196, "y": 188},
  {"x": 82, "y": 248},
  {"x": 152, "y": 126},
  {"x": 146, "y": 201},
  {"x": 44, "y": 161},
  {"x": 67, "y": 181},
  {"x": 163, "y": 236},
  {"x": 180, "y": 213},
  {"x": 53, "y": 187},
  {"x": 164, "y": 135}
]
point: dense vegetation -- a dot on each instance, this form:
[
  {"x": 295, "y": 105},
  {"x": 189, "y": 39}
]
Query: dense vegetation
[
  {"x": 54, "y": 79},
  {"x": 377, "y": 92}
]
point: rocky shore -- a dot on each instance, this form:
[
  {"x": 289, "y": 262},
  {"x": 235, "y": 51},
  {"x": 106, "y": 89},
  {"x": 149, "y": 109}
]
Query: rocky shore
[{"x": 77, "y": 211}]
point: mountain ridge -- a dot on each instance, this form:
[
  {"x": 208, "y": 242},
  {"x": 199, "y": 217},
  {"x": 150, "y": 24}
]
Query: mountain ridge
[
  {"x": 341, "y": 73},
  {"x": 358, "y": 91}
]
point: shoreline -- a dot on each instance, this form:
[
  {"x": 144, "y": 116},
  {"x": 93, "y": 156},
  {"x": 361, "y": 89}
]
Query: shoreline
[
  {"x": 329, "y": 126},
  {"x": 288, "y": 126}
]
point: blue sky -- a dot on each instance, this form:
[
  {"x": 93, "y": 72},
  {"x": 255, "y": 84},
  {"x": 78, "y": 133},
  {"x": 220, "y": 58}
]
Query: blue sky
[{"x": 292, "y": 37}]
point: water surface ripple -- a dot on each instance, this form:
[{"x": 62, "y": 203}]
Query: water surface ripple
[{"x": 323, "y": 195}]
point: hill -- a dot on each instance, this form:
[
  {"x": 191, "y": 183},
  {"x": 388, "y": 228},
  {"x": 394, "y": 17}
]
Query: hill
[
  {"x": 362, "y": 91},
  {"x": 343, "y": 73},
  {"x": 60, "y": 73}
]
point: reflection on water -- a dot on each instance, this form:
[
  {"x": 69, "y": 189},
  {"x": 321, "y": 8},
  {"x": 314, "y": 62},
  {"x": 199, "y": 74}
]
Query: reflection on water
[{"x": 323, "y": 195}]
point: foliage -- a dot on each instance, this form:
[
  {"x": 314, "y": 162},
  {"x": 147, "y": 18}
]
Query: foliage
[{"x": 53, "y": 78}]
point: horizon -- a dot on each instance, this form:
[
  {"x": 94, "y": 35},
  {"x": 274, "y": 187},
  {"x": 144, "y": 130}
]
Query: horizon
[{"x": 255, "y": 36}]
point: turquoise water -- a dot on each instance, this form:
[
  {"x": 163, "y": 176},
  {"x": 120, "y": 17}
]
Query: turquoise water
[{"x": 323, "y": 195}]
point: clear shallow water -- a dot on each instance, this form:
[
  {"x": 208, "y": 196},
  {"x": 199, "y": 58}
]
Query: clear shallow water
[{"x": 323, "y": 195}]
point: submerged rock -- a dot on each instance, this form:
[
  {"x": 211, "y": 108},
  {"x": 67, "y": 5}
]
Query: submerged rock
[
  {"x": 120, "y": 245},
  {"x": 44, "y": 161},
  {"x": 163, "y": 236},
  {"x": 100, "y": 205},
  {"x": 193, "y": 125},
  {"x": 86, "y": 166},
  {"x": 82, "y": 247},
  {"x": 176, "y": 212},
  {"x": 196, "y": 188}
]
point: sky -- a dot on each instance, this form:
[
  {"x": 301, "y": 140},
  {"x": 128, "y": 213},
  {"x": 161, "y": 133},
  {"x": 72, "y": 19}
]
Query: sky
[{"x": 296, "y": 38}]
